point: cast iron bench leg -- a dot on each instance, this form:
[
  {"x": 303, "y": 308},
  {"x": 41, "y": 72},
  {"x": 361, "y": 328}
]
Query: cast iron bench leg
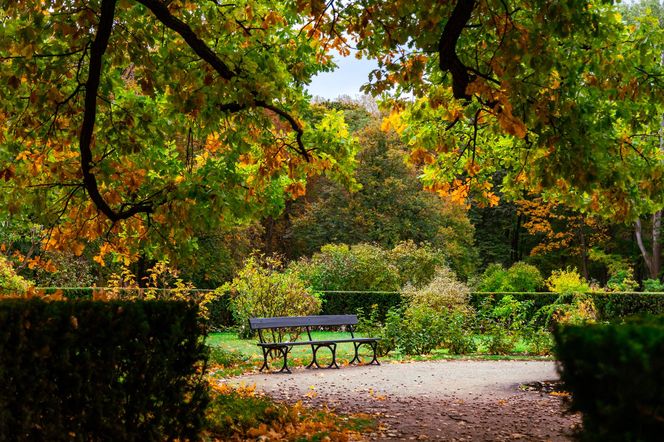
[
  {"x": 356, "y": 358},
  {"x": 284, "y": 351},
  {"x": 374, "y": 347},
  {"x": 266, "y": 352},
  {"x": 315, "y": 348}
]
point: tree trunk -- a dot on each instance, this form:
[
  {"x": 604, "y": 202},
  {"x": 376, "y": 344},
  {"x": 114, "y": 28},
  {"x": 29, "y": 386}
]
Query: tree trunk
[
  {"x": 584, "y": 252},
  {"x": 516, "y": 236},
  {"x": 652, "y": 257}
]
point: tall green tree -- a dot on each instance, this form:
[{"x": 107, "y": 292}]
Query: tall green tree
[
  {"x": 390, "y": 207},
  {"x": 143, "y": 122}
]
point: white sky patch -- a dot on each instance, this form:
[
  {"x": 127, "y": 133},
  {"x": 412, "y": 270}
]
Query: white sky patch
[{"x": 350, "y": 74}]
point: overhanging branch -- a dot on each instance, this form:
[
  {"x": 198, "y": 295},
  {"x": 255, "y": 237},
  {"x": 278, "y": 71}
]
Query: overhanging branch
[
  {"x": 448, "y": 59},
  {"x": 97, "y": 50}
]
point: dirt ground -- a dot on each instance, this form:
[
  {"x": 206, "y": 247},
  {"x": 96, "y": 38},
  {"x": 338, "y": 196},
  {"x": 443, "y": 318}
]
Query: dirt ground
[{"x": 436, "y": 400}]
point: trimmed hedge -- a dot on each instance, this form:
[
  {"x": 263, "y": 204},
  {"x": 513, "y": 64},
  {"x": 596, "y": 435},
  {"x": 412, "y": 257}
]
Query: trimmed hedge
[
  {"x": 342, "y": 303},
  {"x": 617, "y": 305},
  {"x": 615, "y": 373},
  {"x": 610, "y": 306},
  {"x": 90, "y": 370}
]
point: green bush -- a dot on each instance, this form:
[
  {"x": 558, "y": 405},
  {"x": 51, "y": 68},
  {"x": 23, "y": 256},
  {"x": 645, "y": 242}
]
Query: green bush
[
  {"x": 493, "y": 279},
  {"x": 445, "y": 292},
  {"x": 567, "y": 281},
  {"x": 652, "y": 285},
  {"x": 422, "y": 330},
  {"x": 11, "y": 284},
  {"x": 338, "y": 267},
  {"x": 458, "y": 337},
  {"x": 622, "y": 281},
  {"x": 521, "y": 277},
  {"x": 503, "y": 322},
  {"x": 417, "y": 265},
  {"x": 609, "y": 306},
  {"x": 386, "y": 328},
  {"x": 436, "y": 315},
  {"x": 262, "y": 289},
  {"x": 91, "y": 370},
  {"x": 615, "y": 373}
]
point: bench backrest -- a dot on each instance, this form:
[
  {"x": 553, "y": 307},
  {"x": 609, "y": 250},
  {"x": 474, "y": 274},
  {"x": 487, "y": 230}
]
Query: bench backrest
[{"x": 302, "y": 321}]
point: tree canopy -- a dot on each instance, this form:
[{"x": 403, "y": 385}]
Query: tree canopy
[
  {"x": 138, "y": 122},
  {"x": 164, "y": 116}
]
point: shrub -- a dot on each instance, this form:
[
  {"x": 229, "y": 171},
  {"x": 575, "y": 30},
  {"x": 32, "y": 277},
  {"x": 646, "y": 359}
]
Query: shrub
[
  {"x": 569, "y": 309},
  {"x": 436, "y": 315},
  {"x": 421, "y": 330},
  {"x": 521, "y": 277},
  {"x": 653, "y": 285},
  {"x": 443, "y": 293},
  {"x": 11, "y": 283},
  {"x": 90, "y": 370},
  {"x": 622, "y": 281},
  {"x": 615, "y": 373},
  {"x": 503, "y": 322},
  {"x": 261, "y": 289},
  {"x": 370, "y": 324},
  {"x": 361, "y": 267},
  {"x": 567, "y": 281},
  {"x": 493, "y": 279},
  {"x": 612, "y": 306},
  {"x": 417, "y": 265},
  {"x": 458, "y": 337}
]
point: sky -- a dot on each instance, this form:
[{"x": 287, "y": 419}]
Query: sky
[{"x": 350, "y": 74}]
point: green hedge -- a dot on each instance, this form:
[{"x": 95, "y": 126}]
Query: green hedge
[
  {"x": 342, "y": 303},
  {"x": 615, "y": 373},
  {"x": 89, "y": 370},
  {"x": 611, "y": 306}
]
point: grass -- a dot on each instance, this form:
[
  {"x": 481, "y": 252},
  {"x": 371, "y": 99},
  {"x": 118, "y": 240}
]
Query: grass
[{"x": 231, "y": 356}]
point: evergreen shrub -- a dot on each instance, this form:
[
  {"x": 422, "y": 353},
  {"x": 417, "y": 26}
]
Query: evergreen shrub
[
  {"x": 615, "y": 373},
  {"x": 91, "y": 370}
]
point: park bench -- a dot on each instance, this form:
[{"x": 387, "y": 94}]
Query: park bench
[{"x": 306, "y": 323}]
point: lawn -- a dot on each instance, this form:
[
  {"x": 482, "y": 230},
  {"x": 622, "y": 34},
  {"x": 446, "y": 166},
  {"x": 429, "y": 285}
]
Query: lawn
[{"x": 230, "y": 355}]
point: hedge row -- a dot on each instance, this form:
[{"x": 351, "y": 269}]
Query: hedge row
[
  {"x": 91, "y": 370},
  {"x": 615, "y": 373},
  {"x": 610, "y": 306}
]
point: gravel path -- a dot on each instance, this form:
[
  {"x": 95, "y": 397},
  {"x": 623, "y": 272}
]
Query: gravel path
[{"x": 436, "y": 400}]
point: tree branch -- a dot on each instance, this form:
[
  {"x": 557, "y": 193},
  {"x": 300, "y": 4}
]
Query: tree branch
[
  {"x": 97, "y": 50},
  {"x": 448, "y": 58},
  {"x": 162, "y": 14},
  {"x": 160, "y": 10}
]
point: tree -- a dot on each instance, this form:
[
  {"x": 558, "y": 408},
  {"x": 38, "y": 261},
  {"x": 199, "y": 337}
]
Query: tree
[
  {"x": 652, "y": 257},
  {"x": 120, "y": 119},
  {"x": 560, "y": 229},
  {"x": 391, "y": 206},
  {"x": 564, "y": 96}
]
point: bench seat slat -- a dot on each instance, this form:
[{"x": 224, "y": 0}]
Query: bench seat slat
[
  {"x": 302, "y": 321},
  {"x": 331, "y": 341}
]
